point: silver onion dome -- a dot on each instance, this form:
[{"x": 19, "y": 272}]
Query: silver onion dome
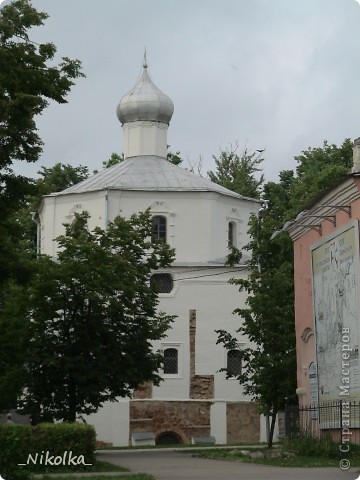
[{"x": 145, "y": 102}]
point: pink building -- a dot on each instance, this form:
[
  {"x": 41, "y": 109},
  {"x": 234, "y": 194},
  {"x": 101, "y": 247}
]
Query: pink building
[{"x": 327, "y": 293}]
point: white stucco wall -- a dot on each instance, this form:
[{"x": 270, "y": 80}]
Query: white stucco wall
[
  {"x": 197, "y": 221},
  {"x": 218, "y": 422},
  {"x": 111, "y": 422},
  {"x": 145, "y": 138},
  {"x": 214, "y": 301}
]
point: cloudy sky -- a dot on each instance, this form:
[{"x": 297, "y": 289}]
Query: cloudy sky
[{"x": 283, "y": 75}]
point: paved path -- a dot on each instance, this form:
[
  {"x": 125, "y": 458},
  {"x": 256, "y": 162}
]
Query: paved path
[{"x": 171, "y": 465}]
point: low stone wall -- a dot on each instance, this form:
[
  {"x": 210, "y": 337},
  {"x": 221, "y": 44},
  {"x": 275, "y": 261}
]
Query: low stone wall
[
  {"x": 243, "y": 422},
  {"x": 183, "y": 418}
]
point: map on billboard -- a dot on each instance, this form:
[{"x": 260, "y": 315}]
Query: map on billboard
[{"x": 336, "y": 295}]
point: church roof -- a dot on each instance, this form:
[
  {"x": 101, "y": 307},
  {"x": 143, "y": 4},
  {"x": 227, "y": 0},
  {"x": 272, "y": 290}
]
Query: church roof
[{"x": 148, "y": 173}]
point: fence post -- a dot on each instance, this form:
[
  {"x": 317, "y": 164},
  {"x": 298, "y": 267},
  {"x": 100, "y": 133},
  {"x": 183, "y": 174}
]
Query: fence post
[{"x": 341, "y": 419}]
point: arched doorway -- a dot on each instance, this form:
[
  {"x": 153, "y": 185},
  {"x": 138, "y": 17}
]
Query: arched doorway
[{"x": 168, "y": 438}]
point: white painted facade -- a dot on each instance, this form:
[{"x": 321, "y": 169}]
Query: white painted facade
[{"x": 198, "y": 214}]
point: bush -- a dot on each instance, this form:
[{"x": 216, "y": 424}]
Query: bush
[
  {"x": 79, "y": 438},
  {"x": 14, "y": 442},
  {"x": 310, "y": 446},
  {"x": 17, "y": 442}
]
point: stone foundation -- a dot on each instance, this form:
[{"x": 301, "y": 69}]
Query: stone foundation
[
  {"x": 243, "y": 422},
  {"x": 183, "y": 418}
]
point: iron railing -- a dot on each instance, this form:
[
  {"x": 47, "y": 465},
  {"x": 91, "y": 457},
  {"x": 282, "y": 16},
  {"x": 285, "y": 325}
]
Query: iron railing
[{"x": 331, "y": 418}]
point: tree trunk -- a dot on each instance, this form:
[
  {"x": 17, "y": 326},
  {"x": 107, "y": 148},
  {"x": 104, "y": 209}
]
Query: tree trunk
[
  {"x": 71, "y": 416},
  {"x": 272, "y": 428}
]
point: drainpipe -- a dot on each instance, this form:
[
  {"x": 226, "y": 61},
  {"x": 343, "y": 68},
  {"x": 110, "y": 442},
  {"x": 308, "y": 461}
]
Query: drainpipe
[
  {"x": 261, "y": 213},
  {"x": 106, "y": 208},
  {"x": 35, "y": 219}
]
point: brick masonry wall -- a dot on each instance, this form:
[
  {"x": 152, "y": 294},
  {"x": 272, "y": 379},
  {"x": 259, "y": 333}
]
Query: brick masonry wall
[
  {"x": 202, "y": 386},
  {"x": 143, "y": 391},
  {"x": 185, "y": 419},
  {"x": 243, "y": 422}
]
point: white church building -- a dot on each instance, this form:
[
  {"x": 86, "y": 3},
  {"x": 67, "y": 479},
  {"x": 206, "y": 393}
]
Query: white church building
[{"x": 200, "y": 219}]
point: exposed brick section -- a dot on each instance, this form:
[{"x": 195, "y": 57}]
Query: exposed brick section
[
  {"x": 143, "y": 391},
  {"x": 243, "y": 422},
  {"x": 185, "y": 419},
  {"x": 201, "y": 386}
]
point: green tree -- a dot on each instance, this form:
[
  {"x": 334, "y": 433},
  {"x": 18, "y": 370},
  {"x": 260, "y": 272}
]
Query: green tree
[
  {"x": 59, "y": 177},
  {"x": 116, "y": 158},
  {"x": 269, "y": 373},
  {"x": 24, "y": 220},
  {"x": 29, "y": 79},
  {"x": 13, "y": 347},
  {"x": 239, "y": 173},
  {"x": 174, "y": 158},
  {"x": 27, "y": 82},
  {"x": 23, "y": 248},
  {"x": 90, "y": 318},
  {"x": 269, "y": 363},
  {"x": 113, "y": 160},
  {"x": 319, "y": 168}
]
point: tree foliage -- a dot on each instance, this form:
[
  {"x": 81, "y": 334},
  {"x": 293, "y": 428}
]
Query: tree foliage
[
  {"x": 319, "y": 168},
  {"x": 13, "y": 346},
  {"x": 269, "y": 373},
  {"x": 269, "y": 361},
  {"x": 90, "y": 318},
  {"x": 115, "y": 158},
  {"x": 59, "y": 177},
  {"x": 22, "y": 223},
  {"x": 174, "y": 158},
  {"x": 29, "y": 79},
  {"x": 27, "y": 82},
  {"x": 239, "y": 173}
]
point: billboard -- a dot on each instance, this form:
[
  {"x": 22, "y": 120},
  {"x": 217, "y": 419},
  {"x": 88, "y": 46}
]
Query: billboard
[{"x": 336, "y": 295}]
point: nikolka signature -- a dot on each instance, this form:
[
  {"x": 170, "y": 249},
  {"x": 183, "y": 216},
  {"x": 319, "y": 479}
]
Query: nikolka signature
[{"x": 45, "y": 458}]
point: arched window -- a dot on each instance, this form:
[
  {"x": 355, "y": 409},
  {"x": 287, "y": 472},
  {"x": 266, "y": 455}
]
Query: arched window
[
  {"x": 158, "y": 228},
  {"x": 171, "y": 361},
  {"x": 233, "y": 363},
  {"x": 231, "y": 234},
  {"x": 162, "y": 282}
]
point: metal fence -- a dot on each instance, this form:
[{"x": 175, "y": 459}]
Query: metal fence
[{"x": 335, "y": 419}]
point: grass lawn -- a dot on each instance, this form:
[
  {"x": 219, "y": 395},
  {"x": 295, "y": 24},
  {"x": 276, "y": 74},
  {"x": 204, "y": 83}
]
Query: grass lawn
[
  {"x": 140, "y": 476},
  {"x": 98, "y": 466},
  {"x": 107, "y": 467},
  {"x": 297, "y": 461}
]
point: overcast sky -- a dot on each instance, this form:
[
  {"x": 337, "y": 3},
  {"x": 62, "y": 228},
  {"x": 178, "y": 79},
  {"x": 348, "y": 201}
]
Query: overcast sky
[{"x": 283, "y": 75}]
